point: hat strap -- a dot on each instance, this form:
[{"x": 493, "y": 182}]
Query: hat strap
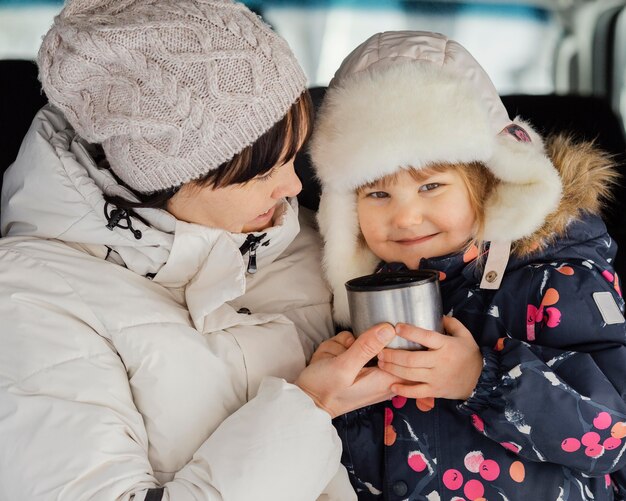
[{"x": 497, "y": 259}]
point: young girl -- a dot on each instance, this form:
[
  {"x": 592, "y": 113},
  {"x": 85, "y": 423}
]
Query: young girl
[{"x": 421, "y": 167}]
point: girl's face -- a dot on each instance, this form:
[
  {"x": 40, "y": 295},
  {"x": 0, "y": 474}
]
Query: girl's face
[
  {"x": 238, "y": 208},
  {"x": 405, "y": 220}
]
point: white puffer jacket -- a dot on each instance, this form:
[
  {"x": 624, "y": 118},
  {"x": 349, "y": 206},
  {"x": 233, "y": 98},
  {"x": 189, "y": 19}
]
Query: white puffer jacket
[{"x": 112, "y": 383}]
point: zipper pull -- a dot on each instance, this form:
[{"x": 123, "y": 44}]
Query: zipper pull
[
  {"x": 246, "y": 245},
  {"x": 250, "y": 245},
  {"x": 252, "y": 258}
]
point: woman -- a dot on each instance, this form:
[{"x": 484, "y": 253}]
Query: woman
[{"x": 155, "y": 273}]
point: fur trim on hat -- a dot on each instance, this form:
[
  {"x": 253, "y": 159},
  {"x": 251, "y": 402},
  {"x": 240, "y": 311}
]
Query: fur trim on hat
[
  {"x": 372, "y": 124},
  {"x": 344, "y": 256},
  {"x": 429, "y": 106}
]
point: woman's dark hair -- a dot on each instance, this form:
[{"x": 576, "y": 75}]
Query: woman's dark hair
[{"x": 276, "y": 146}]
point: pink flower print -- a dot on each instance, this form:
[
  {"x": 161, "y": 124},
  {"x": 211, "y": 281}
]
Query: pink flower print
[
  {"x": 473, "y": 489},
  {"x": 552, "y": 317},
  {"x": 613, "y": 279},
  {"x": 590, "y": 438},
  {"x": 531, "y": 319},
  {"x": 511, "y": 446},
  {"x": 417, "y": 461},
  {"x": 607, "y": 480},
  {"x": 489, "y": 470},
  {"x": 473, "y": 460},
  {"x": 478, "y": 423},
  {"x": 595, "y": 445},
  {"x": 611, "y": 443},
  {"x": 602, "y": 421},
  {"x": 545, "y": 313},
  {"x": 453, "y": 479},
  {"x": 398, "y": 402},
  {"x": 594, "y": 451},
  {"x": 570, "y": 444}
]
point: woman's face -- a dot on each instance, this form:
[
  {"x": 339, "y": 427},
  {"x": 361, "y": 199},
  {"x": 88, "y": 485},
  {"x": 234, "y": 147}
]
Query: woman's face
[{"x": 238, "y": 208}]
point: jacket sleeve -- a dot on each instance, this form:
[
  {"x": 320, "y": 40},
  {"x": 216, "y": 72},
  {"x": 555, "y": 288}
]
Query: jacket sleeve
[
  {"x": 553, "y": 389},
  {"x": 70, "y": 428},
  {"x": 255, "y": 450}
]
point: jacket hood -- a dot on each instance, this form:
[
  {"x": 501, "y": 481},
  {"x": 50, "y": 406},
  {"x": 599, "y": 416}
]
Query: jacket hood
[{"x": 54, "y": 190}]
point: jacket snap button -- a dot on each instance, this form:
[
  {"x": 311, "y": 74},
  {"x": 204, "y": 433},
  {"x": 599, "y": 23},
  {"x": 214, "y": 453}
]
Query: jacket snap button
[
  {"x": 400, "y": 488},
  {"x": 244, "y": 311},
  {"x": 491, "y": 276}
]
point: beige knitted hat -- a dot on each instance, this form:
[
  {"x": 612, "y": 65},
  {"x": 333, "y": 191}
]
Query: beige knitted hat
[{"x": 171, "y": 88}]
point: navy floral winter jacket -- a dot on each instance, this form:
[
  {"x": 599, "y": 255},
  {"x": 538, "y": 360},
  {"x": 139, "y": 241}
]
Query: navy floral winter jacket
[{"x": 547, "y": 420}]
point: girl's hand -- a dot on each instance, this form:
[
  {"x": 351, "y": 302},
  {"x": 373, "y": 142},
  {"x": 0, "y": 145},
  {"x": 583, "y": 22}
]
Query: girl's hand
[
  {"x": 450, "y": 368},
  {"x": 336, "y": 378}
]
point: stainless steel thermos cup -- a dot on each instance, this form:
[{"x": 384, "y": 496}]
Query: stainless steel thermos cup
[{"x": 410, "y": 297}]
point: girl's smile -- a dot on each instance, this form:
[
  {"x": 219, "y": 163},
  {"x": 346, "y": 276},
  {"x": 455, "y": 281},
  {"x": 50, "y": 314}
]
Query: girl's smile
[{"x": 415, "y": 240}]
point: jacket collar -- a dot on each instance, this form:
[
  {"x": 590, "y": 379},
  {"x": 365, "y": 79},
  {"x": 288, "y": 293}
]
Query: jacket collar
[
  {"x": 54, "y": 190},
  {"x": 586, "y": 239},
  {"x": 209, "y": 266}
]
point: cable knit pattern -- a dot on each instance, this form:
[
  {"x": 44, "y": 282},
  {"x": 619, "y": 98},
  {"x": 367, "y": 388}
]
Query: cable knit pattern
[{"x": 171, "y": 88}]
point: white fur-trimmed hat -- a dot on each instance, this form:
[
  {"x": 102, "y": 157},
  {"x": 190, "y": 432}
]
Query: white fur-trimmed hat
[{"x": 410, "y": 99}]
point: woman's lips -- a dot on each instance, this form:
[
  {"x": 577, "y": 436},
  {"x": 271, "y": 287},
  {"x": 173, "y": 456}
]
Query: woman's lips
[{"x": 266, "y": 215}]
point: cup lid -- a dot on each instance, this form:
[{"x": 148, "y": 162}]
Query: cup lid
[{"x": 394, "y": 280}]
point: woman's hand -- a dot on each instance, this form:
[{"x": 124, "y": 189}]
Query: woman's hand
[
  {"x": 450, "y": 368},
  {"x": 336, "y": 378}
]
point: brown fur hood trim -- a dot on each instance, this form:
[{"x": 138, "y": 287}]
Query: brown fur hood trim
[{"x": 588, "y": 175}]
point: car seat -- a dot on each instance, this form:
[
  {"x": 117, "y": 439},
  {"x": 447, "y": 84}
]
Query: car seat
[{"x": 20, "y": 99}]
